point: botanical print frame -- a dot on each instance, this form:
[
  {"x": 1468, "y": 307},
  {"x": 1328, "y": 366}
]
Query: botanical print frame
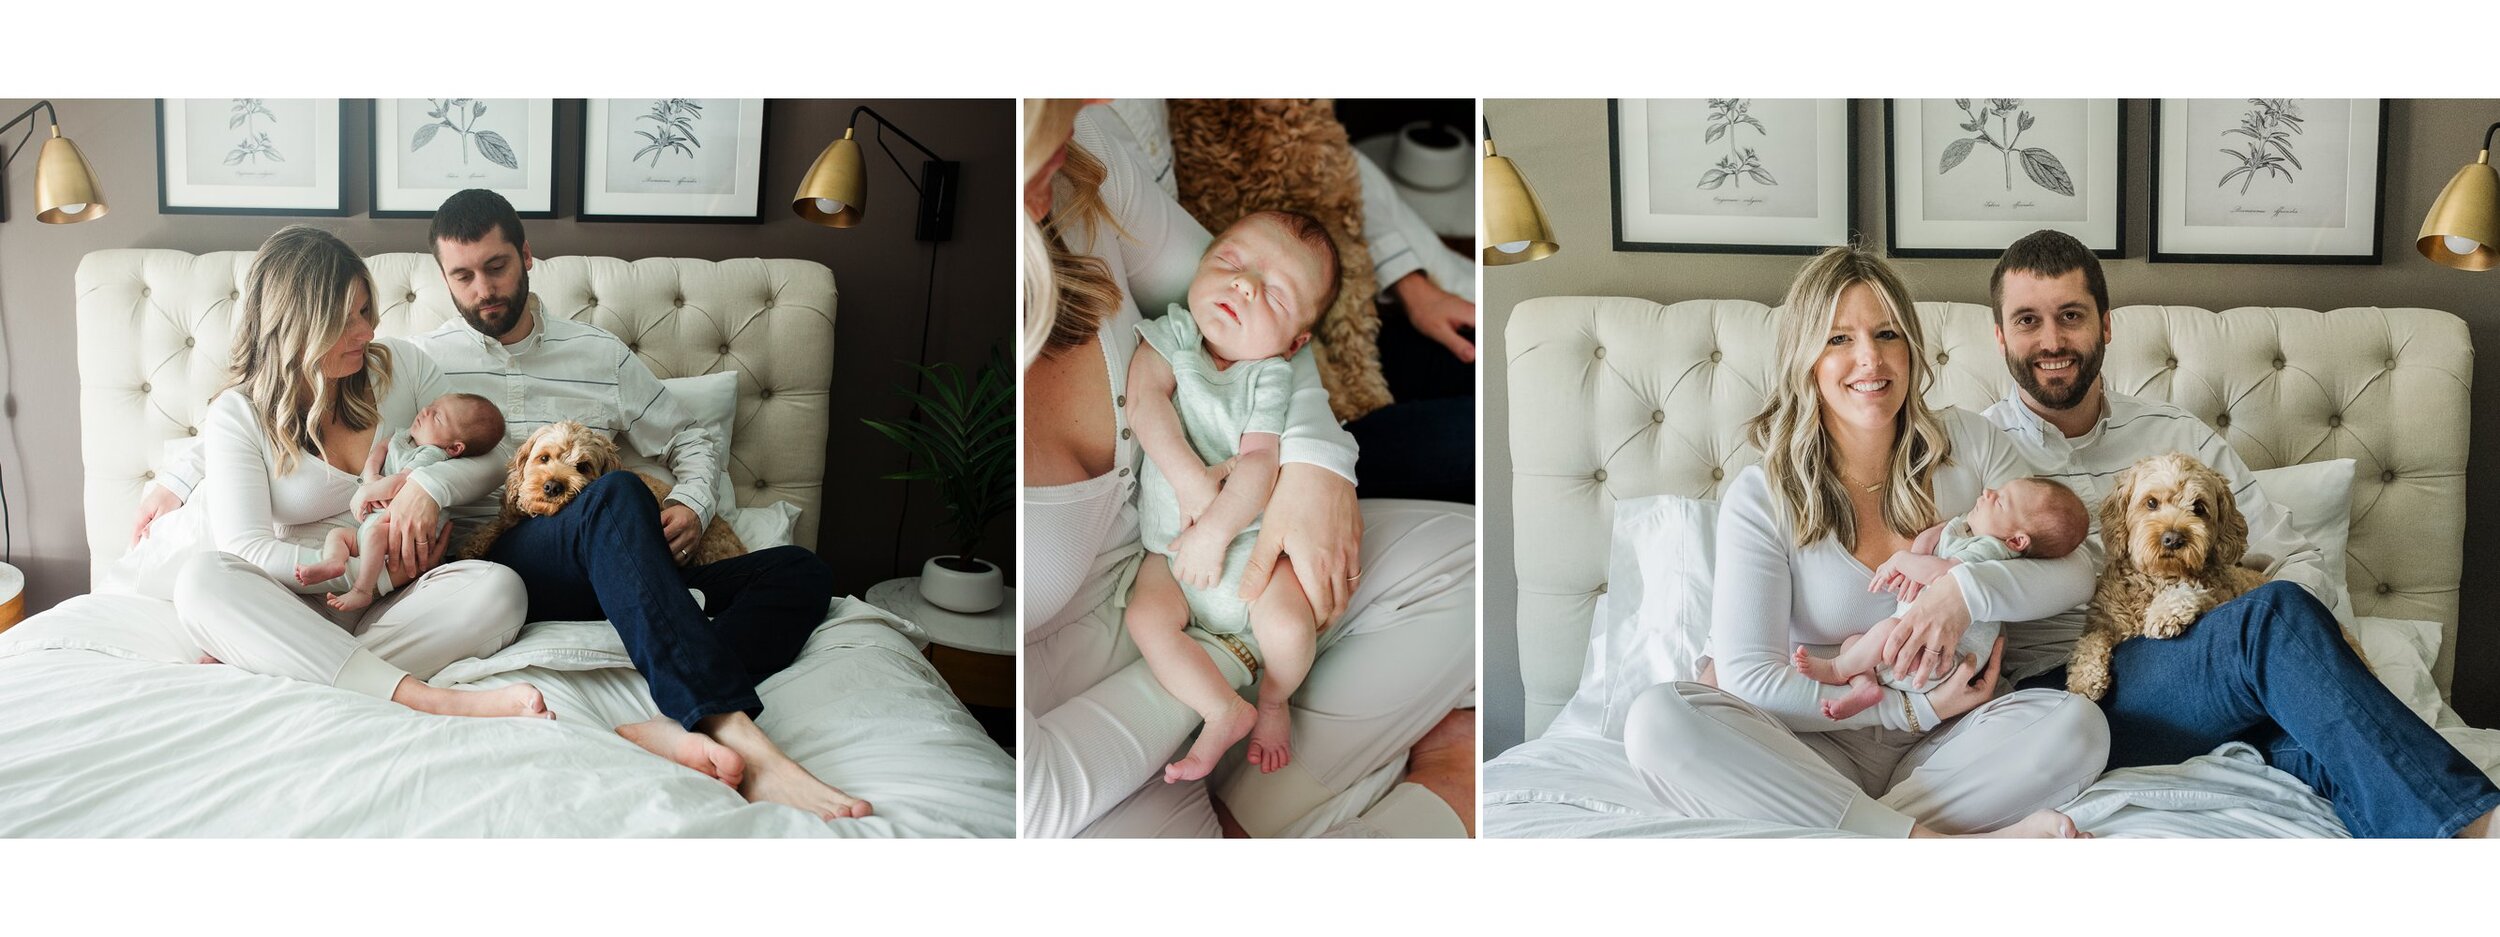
[
  {"x": 705, "y": 156},
  {"x": 2057, "y": 163},
  {"x": 2269, "y": 180},
  {"x": 425, "y": 149},
  {"x": 1731, "y": 175},
  {"x": 250, "y": 156}
]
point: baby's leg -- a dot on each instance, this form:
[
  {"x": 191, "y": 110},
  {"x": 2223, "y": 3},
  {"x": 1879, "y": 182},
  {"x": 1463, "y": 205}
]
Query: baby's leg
[
  {"x": 375, "y": 536},
  {"x": 1289, "y": 637},
  {"x": 336, "y": 547},
  {"x": 1863, "y": 653},
  {"x": 1835, "y": 671},
  {"x": 1156, "y": 615},
  {"x": 1863, "y": 692}
]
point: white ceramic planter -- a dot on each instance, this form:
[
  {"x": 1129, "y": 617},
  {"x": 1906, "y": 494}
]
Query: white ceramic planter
[{"x": 958, "y": 591}]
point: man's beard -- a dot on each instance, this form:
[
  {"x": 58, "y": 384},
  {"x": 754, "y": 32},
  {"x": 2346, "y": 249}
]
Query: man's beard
[
  {"x": 514, "y": 306},
  {"x": 2086, "y": 370}
]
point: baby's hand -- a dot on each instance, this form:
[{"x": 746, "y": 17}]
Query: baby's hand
[
  {"x": 1198, "y": 558},
  {"x": 377, "y": 494},
  {"x": 1907, "y": 573}
]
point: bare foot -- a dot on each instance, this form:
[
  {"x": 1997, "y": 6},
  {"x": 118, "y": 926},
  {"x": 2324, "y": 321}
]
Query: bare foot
[
  {"x": 323, "y": 571},
  {"x": 782, "y": 781},
  {"x": 350, "y": 600},
  {"x": 520, "y": 700},
  {"x": 1444, "y": 762},
  {"x": 1219, "y": 734},
  {"x": 1271, "y": 738},
  {"x": 2046, "y": 824},
  {"x": 1817, "y": 670},
  {"x": 1861, "y": 696},
  {"x": 205, "y": 659},
  {"x": 665, "y": 738}
]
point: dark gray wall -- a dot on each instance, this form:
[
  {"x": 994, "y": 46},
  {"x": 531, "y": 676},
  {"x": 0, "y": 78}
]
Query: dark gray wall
[
  {"x": 877, "y": 266},
  {"x": 1560, "y": 145}
]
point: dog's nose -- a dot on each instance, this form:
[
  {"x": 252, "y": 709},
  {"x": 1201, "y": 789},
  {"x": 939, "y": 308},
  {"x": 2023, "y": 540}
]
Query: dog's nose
[
  {"x": 2170, "y": 539},
  {"x": 554, "y": 489}
]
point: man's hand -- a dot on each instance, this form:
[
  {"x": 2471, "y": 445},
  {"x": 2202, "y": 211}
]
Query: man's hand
[
  {"x": 152, "y": 505},
  {"x": 1437, "y": 313},
  {"x": 677, "y": 523},
  {"x": 418, "y": 534},
  {"x": 1312, "y": 518}
]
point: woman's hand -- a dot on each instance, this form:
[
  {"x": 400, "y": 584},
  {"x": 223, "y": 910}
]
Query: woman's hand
[
  {"x": 418, "y": 534},
  {"x": 1312, "y": 518},
  {"x": 1437, "y": 313},
  {"x": 1969, "y": 686},
  {"x": 1930, "y": 629},
  {"x": 152, "y": 505}
]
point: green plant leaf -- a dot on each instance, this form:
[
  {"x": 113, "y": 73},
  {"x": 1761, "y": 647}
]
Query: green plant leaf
[
  {"x": 1954, "y": 154},
  {"x": 2043, "y": 168}
]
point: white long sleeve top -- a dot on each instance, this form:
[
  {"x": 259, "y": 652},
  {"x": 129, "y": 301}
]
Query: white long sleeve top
[
  {"x": 1769, "y": 596},
  {"x": 2129, "y": 429},
  {"x": 276, "y": 521}
]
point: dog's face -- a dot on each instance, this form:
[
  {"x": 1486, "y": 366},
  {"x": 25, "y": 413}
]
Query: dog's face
[
  {"x": 555, "y": 464},
  {"x": 2173, "y": 518}
]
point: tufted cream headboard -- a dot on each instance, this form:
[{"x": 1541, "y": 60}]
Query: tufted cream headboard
[
  {"x": 1656, "y": 399},
  {"x": 155, "y": 328}
]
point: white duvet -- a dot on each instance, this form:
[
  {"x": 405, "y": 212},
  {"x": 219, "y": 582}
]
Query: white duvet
[{"x": 106, "y": 729}]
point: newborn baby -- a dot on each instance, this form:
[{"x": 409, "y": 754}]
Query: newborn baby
[
  {"x": 2027, "y": 517},
  {"x": 454, "y": 426},
  {"x": 1207, "y": 395}
]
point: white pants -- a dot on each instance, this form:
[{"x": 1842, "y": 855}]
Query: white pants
[
  {"x": 1099, "y": 728},
  {"x": 454, "y": 612},
  {"x": 1707, "y": 753}
]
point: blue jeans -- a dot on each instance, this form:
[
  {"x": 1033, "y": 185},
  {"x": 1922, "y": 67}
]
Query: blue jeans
[
  {"x": 2271, "y": 668},
  {"x": 603, "y": 557}
]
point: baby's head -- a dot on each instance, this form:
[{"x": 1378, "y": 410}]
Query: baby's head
[
  {"x": 2037, "y": 517},
  {"x": 1263, "y": 284},
  {"x": 460, "y": 424}
]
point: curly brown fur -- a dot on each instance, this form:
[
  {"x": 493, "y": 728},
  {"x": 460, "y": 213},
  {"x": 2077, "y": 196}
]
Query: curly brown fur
[
  {"x": 1235, "y": 157},
  {"x": 2175, "y": 538},
  {"x": 555, "y": 464}
]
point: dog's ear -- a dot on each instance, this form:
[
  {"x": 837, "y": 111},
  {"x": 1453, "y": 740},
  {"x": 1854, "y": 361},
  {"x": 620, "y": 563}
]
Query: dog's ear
[
  {"x": 512, "y": 470},
  {"x": 2230, "y": 527},
  {"x": 2114, "y": 511},
  {"x": 601, "y": 450}
]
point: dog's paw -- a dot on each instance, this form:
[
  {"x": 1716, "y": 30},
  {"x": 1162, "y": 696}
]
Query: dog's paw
[
  {"x": 2173, "y": 609},
  {"x": 2089, "y": 684}
]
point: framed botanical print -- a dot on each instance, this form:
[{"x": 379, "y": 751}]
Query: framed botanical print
[
  {"x": 425, "y": 149},
  {"x": 1964, "y": 177},
  {"x": 1730, "y": 175},
  {"x": 673, "y": 159},
  {"x": 249, "y": 156},
  {"x": 2269, "y": 180}
]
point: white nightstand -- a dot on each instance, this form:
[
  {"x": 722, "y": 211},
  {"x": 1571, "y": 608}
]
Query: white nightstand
[
  {"x": 12, "y": 596},
  {"x": 975, "y": 653}
]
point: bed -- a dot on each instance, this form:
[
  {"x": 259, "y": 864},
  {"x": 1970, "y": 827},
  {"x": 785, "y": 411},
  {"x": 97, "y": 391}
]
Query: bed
[
  {"x": 1664, "y": 391},
  {"x": 108, "y": 729}
]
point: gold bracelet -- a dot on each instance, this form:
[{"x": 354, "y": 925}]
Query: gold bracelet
[{"x": 1910, "y": 712}]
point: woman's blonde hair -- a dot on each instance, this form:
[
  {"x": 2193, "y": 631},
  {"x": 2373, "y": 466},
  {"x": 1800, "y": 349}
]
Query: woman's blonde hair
[
  {"x": 295, "y": 308},
  {"x": 1797, "y": 455},
  {"x": 1067, "y": 296}
]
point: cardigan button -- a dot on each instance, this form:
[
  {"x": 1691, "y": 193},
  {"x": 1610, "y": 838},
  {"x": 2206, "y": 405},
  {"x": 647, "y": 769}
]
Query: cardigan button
[
  {"x": 1120, "y": 401},
  {"x": 1124, "y": 433},
  {"x": 1123, "y": 471}
]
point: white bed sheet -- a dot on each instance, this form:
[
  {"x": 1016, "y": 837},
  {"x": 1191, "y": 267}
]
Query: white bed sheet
[{"x": 107, "y": 730}]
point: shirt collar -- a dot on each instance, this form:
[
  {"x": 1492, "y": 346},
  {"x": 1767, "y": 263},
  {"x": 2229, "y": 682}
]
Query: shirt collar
[
  {"x": 2032, "y": 422},
  {"x": 538, "y": 330}
]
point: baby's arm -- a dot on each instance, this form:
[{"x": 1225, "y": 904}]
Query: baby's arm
[
  {"x": 1159, "y": 432},
  {"x": 1198, "y": 553},
  {"x": 1911, "y": 570},
  {"x": 377, "y": 489}
]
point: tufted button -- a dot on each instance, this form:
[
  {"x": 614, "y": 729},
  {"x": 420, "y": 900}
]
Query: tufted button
[
  {"x": 1717, "y": 473},
  {"x": 1120, "y": 401},
  {"x": 2170, "y": 362},
  {"x": 2336, "y": 420},
  {"x": 1601, "y": 588},
  {"x": 188, "y": 341},
  {"x": 2388, "y": 476},
  {"x": 1601, "y": 475},
  {"x": 1941, "y": 357},
  {"x": 2384, "y": 588},
  {"x": 412, "y": 297},
  {"x": 768, "y": 304},
  {"x": 680, "y": 302},
  {"x": 633, "y": 346},
  {"x": 1714, "y": 356},
  {"x": 2278, "y": 364},
  {"x": 2223, "y": 419},
  {"x": 1124, "y": 433},
  {"x": 768, "y": 395},
  {"x": 1657, "y": 416},
  {"x": 2391, "y": 364},
  {"x": 724, "y": 348},
  {"x": 149, "y": 475},
  {"x": 759, "y": 484},
  {"x": 144, "y": 291},
  {"x": 1601, "y": 351},
  {"x": 190, "y": 430},
  {"x": 144, "y": 387},
  {"x": 234, "y": 294},
  {"x": 1123, "y": 471}
]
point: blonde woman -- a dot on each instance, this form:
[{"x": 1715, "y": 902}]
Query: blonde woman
[
  {"x": 283, "y": 444},
  {"x": 1854, "y": 466},
  {"x": 1377, "y": 748}
]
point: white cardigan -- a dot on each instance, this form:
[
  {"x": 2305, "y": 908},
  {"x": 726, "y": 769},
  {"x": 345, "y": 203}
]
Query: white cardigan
[
  {"x": 1768, "y": 596},
  {"x": 276, "y": 521}
]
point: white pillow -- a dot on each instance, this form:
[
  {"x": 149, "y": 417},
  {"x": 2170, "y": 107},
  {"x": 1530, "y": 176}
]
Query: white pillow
[
  {"x": 766, "y": 526},
  {"x": 712, "y": 399},
  {"x": 2319, "y": 497},
  {"x": 1652, "y": 624},
  {"x": 2401, "y": 654}
]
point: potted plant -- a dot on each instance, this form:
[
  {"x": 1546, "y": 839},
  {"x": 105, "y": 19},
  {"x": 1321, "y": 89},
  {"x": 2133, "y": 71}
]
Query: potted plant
[{"x": 961, "y": 437}]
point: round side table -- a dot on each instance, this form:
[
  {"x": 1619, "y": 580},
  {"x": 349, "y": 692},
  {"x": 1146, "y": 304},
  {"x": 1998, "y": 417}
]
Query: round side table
[
  {"x": 12, "y": 596},
  {"x": 975, "y": 653}
]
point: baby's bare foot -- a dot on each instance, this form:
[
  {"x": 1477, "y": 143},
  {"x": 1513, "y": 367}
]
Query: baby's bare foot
[
  {"x": 323, "y": 571},
  {"x": 665, "y": 738},
  {"x": 1271, "y": 738},
  {"x": 1859, "y": 698},
  {"x": 1219, "y": 735},
  {"x": 782, "y": 781},
  {"x": 350, "y": 600},
  {"x": 1815, "y": 669}
]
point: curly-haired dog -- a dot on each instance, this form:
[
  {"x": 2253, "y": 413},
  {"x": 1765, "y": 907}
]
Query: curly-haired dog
[
  {"x": 1235, "y": 158},
  {"x": 555, "y": 464},
  {"x": 2175, "y": 538}
]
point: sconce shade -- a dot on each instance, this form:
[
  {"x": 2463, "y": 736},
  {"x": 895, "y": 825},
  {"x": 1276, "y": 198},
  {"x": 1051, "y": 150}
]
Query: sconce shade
[
  {"x": 65, "y": 189},
  {"x": 835, "y": 191},
  {"x": 2463, "y": 227},
  {"x": 1515, "y": 231}
]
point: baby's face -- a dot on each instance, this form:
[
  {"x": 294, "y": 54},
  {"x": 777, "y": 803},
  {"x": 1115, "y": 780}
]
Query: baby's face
[
  {"x": 439, "y": 423},
  {"x": 1257, "y": 292},
  {"x": 2001, "y": 510}
]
